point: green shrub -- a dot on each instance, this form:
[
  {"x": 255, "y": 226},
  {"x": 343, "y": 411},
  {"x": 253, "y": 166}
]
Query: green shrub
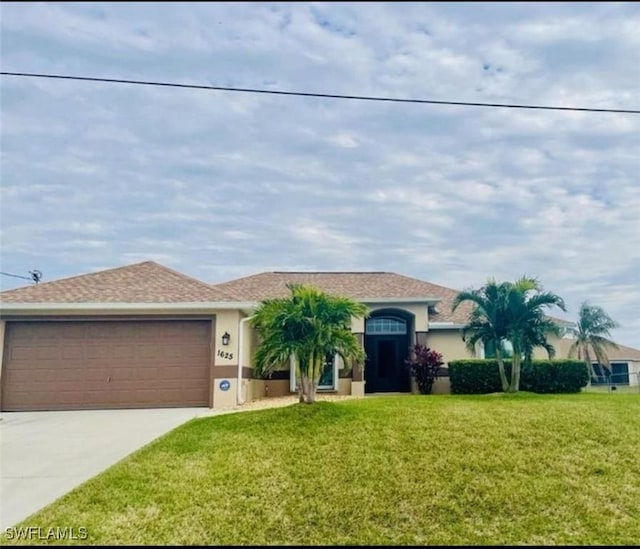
[
  {"x": 554, "y": 376},
  {"x": 476, "y": 376}
]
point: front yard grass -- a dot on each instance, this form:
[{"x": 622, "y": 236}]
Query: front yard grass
[{"x": 424, "y": 470}]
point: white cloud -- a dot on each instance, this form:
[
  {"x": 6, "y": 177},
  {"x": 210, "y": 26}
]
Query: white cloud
[
  {"x": 344, "y": 140},
  {"x": 221, "y": 185}
]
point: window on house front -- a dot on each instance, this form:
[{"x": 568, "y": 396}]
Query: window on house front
[
  {"x": 602, "y": 375},
  {"x": 490, "y": 349},
  {"x": 385, "y": 325},
  {"x": 620, "y": 373},
  {"x": 328, "y": 378},
  {"x": 617, "y": 374}
]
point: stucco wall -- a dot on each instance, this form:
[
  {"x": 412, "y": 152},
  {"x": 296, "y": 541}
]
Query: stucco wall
[
  {"x": 560, "y": 347},
  {"x": 227, "y": 321},
  {"x": 265, "y": 388},
  {"x": 344, "y": 386},
  {"x": 225, "y": 359},
  {"x": 227, "y": 398},
  {"x": 276, "y": 387},
  {"x": 634, "y": 373},
  {"x": 441, "y": 386},
  {"x": 246, "y": 391},
  {"x": 255, "y": 390},
  {"x": 449, "y": 343},
  {"x": 247, "y": 343}
]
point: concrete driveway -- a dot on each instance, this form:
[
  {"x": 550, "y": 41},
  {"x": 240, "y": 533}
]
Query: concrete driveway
[{"x": 46, "y": 454}]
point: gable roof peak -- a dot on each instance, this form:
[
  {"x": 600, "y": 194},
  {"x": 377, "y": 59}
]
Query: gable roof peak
[
  {"x": 143, "y": 282},
  {"x": 73, "y": 277}
]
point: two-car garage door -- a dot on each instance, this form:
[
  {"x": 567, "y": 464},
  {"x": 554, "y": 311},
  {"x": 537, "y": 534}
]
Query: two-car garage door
[{"x": 106, "y": 364}]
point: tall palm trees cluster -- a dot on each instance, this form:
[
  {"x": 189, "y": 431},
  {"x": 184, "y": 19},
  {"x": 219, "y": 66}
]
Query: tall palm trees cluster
[
  {"x": 514, "y": 312},
  {"x": 510, "y": 312}
]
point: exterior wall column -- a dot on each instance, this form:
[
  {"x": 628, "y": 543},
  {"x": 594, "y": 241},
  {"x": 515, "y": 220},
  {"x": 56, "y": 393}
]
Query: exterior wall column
[
  {"x": 357, "y": 375},
  {"x": 225, "y": 360}
]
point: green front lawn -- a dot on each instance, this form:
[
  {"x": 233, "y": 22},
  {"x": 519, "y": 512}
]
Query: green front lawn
[{"x": 492, "y": 469}]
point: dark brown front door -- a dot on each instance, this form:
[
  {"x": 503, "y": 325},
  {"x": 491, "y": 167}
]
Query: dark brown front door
[{"x": 106, "y": 364}]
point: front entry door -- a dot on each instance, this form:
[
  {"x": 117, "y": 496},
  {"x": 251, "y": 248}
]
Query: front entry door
[{"x": 385, "y": 370}]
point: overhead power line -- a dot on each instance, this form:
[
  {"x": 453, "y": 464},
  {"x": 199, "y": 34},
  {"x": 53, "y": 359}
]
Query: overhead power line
[
  {"x": 320, "y": 95},
  {"x": 36, "y": 276},
  {"x": 16, "y": 276}
]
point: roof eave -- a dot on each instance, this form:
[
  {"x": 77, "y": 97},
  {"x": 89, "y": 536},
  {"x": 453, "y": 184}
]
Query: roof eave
[
  {"x": 199, "y": 306},
  {"x": 392, "y": 300},
  {"x": 445, "y": 325}
]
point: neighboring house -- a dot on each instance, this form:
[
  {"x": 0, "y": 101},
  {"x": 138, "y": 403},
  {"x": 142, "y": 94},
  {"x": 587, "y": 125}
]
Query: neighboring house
[
  {"x": 624, "y": 367},
  {"x": 146, "y": 336}
]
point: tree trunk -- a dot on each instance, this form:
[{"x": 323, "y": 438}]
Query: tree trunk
[
  {"x": 309, "y": 380},
  {"x": 298, "y": 373},
  {"x": 316, "y": 371},
  {"x": 304, "y": 383},
  {"x": 593, "y": 374},
  {"x": 312, "y": 392},
  {"x": 503, "y": 375},
  {"x": 515, "y": 371}
]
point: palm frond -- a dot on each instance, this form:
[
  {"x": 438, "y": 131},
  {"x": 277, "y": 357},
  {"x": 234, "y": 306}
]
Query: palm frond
[
  {"x": 546, "y": 299},
  {"x": 604, "y": 342},
  {"x": 469, "y": 295},
  {"x": 593, "y": 334}
]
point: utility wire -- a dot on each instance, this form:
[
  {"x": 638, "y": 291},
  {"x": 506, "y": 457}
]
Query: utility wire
[
  {"x": 36, "y": 276},
  {"x": 320, "y": 95},
  {"x": 16, "y": 276}
]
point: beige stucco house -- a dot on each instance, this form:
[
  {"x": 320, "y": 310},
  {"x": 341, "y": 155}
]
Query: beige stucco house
[
  {"x": 144, "y": 335},
  {"x": 623, "y": 370}
]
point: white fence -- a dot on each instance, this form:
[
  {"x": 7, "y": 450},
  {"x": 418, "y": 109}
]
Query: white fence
[{"x": 616, "y": 383}]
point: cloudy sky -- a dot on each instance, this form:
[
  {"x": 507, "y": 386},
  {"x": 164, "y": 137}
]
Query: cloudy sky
[{"x": 220, "y": 185}]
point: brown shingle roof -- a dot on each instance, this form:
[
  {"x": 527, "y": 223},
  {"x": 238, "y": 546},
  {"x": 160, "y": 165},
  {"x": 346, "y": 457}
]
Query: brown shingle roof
[
  {"x": 624, "y": 353},
  {"x": 350, "y": 284},
  {"x": 621, "y": 353},
  {"x": 145, "y": 282}
]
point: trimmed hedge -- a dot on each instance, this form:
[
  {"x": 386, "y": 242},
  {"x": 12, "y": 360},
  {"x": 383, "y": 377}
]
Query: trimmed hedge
[{"x": 475, "y": 376}]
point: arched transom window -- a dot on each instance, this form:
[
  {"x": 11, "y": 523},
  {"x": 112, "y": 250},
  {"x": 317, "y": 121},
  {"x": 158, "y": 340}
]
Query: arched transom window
[{"x": 386, "y": 325}]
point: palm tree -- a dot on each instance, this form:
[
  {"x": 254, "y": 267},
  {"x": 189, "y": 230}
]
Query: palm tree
[
  {"x": 592, "y": 335},
  {"x": 510, "y": 312},
  {"x": 537, "y": 333},
  {"x": 306, "y": 327},
  {"x": 528, "y": 326},
  {"x": 487, "y": 320}
]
